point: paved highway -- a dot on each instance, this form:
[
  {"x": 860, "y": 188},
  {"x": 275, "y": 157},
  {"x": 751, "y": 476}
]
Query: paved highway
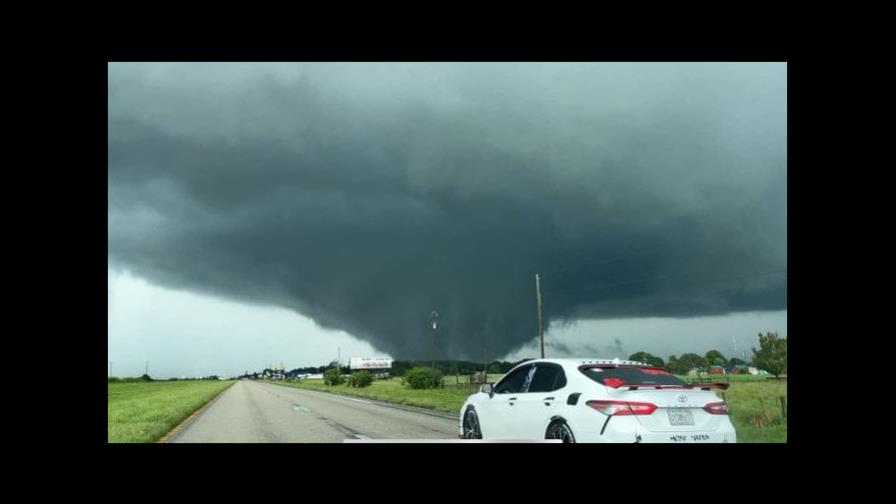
[{"x": 253, "y": 412}]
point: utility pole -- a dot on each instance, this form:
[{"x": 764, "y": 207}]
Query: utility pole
[
  {"x": 338, "y": 360},
  {"x": 110, "y": 368},
  {"x": 540, "y": 322},
  {"x": 146, "y": 370},
  {"x": 435, "y": 322}
]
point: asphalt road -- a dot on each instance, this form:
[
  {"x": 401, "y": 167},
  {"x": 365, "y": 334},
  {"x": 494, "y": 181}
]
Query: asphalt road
[{"x": 253, "y": 412}]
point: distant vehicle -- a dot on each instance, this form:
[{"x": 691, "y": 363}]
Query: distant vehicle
[{"x": 596, "y": 401}]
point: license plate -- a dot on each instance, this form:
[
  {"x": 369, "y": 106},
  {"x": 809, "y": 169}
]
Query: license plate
[{"x": 679, "y": 416}]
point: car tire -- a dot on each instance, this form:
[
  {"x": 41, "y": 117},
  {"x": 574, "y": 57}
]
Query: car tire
[
  {"x": 560, "y": 430},
  {"x": 471, "y": 425}
]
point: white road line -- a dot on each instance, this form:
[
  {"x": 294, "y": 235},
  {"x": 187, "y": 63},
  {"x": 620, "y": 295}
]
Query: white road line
[{"x": 357, "y": 400}]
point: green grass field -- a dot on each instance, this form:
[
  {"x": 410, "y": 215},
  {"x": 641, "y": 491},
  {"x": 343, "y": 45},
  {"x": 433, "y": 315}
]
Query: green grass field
[
  {"x": 755, "y": 409},
  {"x": 752, "y": 401},
  {"x": 143, "y": 412}
]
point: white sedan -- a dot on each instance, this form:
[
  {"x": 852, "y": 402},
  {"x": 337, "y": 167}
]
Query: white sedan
[{"x": 596, "y": 401}]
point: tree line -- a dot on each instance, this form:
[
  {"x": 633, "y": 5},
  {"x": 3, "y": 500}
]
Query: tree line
[{"x": 770, "y": 356}]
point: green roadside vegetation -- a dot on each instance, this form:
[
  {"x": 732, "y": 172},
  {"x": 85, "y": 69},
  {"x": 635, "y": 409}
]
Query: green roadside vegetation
[{"x": 144, "y": 411}]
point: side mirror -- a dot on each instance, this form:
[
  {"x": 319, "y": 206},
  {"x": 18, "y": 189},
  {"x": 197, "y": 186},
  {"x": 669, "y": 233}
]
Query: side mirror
[{"x": 487, "y": 389}]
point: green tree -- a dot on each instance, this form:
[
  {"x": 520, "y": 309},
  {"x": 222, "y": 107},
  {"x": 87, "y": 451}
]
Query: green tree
[
  {"x": 672, "y": 364},
  {"x": 647, "y": 358},
  {"x": 689, "y": 361},
  {"x": 494, "y": 368},
  {"x": 715, "y": 358},
  {"x": 772, "y": 354},
  {"x": 734, "y": 361}
]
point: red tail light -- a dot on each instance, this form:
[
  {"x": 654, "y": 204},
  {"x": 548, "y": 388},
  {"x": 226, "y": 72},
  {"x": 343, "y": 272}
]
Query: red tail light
[
  {"x": 717, "y": 408},
  {"x": 613, "y": 382},
  {"x": 622, "y": 407}
]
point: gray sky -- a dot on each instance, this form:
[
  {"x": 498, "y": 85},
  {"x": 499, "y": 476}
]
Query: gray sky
[
  {"x": 360, "y": 196},
  {"x": 185, "y": 334}
]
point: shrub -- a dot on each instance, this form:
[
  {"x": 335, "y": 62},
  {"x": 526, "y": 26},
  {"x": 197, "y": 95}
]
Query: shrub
[
  {"x": 360, "y": 379},
  {"x": 332, "y": 377},
  {"x": 423, "y": 378}
]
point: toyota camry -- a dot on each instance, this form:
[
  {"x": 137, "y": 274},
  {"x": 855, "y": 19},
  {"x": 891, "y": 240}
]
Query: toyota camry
[{"x": 596, "y": 401}]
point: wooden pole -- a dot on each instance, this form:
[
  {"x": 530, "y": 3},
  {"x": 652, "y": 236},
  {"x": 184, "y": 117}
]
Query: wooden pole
[{"x": 540, "y": 322}]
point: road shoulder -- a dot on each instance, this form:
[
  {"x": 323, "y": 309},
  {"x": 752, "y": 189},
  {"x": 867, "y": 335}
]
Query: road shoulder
[{"x": 193, "y": 416}]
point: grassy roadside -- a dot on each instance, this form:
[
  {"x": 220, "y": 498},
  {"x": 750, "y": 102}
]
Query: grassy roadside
[
  {"x": 143, "y": 412},
  {"x": 756, "y": 411},
  {"x": 752, "y": 401}
]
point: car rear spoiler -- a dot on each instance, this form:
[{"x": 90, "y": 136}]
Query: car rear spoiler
[{"x": 703, "y": 386}]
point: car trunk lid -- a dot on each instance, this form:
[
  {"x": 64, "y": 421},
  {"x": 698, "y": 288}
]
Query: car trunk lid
[{"x": 680, "y": 406}]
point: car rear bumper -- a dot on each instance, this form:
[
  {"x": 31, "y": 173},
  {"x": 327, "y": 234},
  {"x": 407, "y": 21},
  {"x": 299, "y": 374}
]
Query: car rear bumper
[
  {"x": 629, "y": 430},
  {"x": 687, "y": 437}
]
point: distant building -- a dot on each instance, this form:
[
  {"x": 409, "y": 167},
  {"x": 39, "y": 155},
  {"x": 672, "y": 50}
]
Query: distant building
[
  {"x": 738, "y": 369},
  {"x": 279, "y": 372}
]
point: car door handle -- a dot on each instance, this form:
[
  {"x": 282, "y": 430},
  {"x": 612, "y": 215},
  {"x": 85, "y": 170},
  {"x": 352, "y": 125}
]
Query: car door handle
[{"x": 548, "y": 399}]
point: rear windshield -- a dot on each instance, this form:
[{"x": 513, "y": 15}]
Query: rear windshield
[{"x": 621, "y": 376}]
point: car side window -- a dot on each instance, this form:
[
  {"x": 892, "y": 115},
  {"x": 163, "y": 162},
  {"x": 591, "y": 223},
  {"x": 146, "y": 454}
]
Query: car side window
[
  {"x": 560, "y": 380},
  {"x": 548, "y": 377},
  {"x": 513, "y": 383}
]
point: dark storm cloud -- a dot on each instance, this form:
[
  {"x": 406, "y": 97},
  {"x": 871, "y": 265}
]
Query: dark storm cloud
[{"x": 365, "y": 195}]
